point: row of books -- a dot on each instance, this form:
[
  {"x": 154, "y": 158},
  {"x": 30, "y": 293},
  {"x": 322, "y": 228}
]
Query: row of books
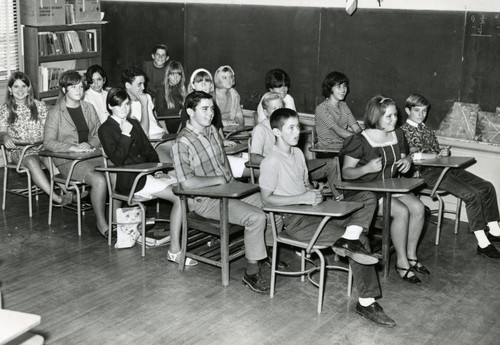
[
  {"x": 67, "y": 42},
  {"x": 48, "y": 77}
]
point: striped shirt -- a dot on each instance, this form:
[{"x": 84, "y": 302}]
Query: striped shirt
[
  {"x": 327, "y": 116},
  {"x": 198, "y": 153}
]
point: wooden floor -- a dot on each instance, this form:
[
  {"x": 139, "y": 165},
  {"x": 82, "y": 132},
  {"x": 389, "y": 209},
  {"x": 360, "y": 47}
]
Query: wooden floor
[{"x": 89, "y": 293}]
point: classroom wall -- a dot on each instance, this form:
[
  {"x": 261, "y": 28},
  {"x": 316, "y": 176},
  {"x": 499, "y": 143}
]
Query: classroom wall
[{"x": 394, "y": 52}]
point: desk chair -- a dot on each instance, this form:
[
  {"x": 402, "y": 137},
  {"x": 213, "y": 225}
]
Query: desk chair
[
  {"x": 131, "y": 199},
  {"x": 203, "y": 247},
  {"x": 437, "y": 194},
  {"x": 327, "y": 210},
  {"x": 31, "y": 190}
]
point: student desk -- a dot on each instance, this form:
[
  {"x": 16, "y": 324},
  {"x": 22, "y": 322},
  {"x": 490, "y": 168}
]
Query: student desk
[
  {"x": 14, "y": 323},
  {"x": 76, "y": 157},
  {"x": 327, "y": 210},
  {"x": 155, "y": 142},
  {"x": 230, "y": 131},
  {"x": 232, "y": 190},
  {"x": 234, "y": 149},
  {"x": 446, "y": 163},
  {"x": 388, "y": 187}
]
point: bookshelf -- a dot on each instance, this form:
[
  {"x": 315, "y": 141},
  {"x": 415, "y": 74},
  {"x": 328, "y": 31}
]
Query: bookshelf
[{"x": 48, "y": 50}]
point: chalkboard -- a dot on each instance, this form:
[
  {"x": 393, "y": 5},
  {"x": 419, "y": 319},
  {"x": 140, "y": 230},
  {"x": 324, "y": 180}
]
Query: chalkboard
[{"x": 481, "y": 67}]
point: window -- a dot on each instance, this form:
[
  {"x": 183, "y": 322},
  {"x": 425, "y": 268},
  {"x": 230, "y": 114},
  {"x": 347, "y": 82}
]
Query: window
[{"x": 9, "y": 38}]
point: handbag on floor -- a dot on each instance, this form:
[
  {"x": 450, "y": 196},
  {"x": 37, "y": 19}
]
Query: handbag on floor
[{"x": 128, "y": 226}]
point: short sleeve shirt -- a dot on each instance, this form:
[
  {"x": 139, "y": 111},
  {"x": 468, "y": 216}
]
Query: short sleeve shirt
[
  {"x": 284, "y": 173},
  {"x": 327, "y": 116},
  {"x": 262, "y": 138},
  {"x": 154, "y": 129}
]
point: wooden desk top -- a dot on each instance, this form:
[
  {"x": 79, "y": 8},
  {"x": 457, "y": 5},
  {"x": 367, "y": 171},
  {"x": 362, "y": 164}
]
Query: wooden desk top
[
  {"x": 326, "y": 148},
  {"x": 392, "y": 185},
  {"x": 236, "y": 128},
  {"x": 314, "y": 164},
  {"x": 228, "y": 190},
  {"x": 232, "y": 150},
  {"x": 72, "y": 155},
  {"x": 163, "y": 138},
  {"x": 330, "y": 208},
  {"x": 142, "y": 167},
  {"x": 15, "y": 323},
  {"x": 446, "y": 162}
]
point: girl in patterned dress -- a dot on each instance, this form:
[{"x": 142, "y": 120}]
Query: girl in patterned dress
[{"x": 21, "y": 121}]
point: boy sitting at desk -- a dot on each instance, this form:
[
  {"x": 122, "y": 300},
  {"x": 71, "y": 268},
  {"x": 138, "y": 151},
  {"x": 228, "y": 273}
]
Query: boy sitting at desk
[
  {"x": 284, "y": 181},
  {"x": 200, "y": 161},
  {"x": 263, "y": 141},
  {"x": 479, "y": 195}
]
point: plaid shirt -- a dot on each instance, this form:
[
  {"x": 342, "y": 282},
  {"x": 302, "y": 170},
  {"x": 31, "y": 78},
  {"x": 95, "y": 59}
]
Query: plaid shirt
[
  {"x": 198, "y": 153},
  {"x": 420, "y": 138}
]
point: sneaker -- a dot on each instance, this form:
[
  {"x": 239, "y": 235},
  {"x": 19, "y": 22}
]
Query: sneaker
[
  {"x": 256, "y": 282},
  {"x": 375, "y": 313},
  {"x": 177, "y": 257},
  {"x": 355, "y": 250}
]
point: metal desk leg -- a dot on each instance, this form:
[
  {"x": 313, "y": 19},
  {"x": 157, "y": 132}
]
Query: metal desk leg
[
  {"x": 386, "y": 233},
  {"x": 224, "y": 241}
]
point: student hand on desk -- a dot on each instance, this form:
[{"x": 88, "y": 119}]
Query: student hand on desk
[
  {"x": 312, "y": 197},
  {"x": 82, "y": 147},
  {"x": 404, "y": 164}
]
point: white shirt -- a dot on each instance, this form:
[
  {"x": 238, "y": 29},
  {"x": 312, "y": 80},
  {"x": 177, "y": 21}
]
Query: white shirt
[
  {"x": 154, "y": 128},
  {"x": 98, "y": 100}
]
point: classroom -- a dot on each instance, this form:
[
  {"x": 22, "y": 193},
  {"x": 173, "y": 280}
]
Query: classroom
[{"x": 384, "y": 112}]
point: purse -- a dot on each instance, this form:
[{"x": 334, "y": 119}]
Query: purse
[{"x": 128, "y": 226}]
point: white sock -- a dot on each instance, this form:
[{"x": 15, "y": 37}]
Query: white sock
[
  {"x": 365, "y": 302},
  {"x": 482, "y": 240},
  {"x": 352, "y": 232},
  {"x": 494, "y": 228}
]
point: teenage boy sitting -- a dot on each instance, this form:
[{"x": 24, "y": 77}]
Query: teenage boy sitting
[
  {"x": 200, "y": 161},
  {"x": 142, "y": 109},
  {"x": 284, "y": 181},
  {"x": 479, "y": 196},
  {"x": 155, "y": 69}
]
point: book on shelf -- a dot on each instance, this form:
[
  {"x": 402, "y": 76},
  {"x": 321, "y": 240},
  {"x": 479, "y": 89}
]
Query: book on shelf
[
  {"x": 67, "y": 42},
  {"x": 49, "y": 78}
]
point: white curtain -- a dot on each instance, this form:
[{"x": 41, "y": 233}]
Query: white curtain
[{"x": 9, "y": 38}]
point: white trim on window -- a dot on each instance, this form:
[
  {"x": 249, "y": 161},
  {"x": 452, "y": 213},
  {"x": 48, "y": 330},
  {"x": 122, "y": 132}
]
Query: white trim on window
[{"x": 10, "y": 38}]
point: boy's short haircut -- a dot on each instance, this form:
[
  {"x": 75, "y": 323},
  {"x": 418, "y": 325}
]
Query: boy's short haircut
[
  {"x": 194, "y": 98},
  {"x": 416, "y": 100},
  {"x": 375, "y": 109},
  {"x": 130, "y": 73},
  {"x": 277, "y": 78},
  {"x": 279, "y": 117},
  {"x": 332, "y": 79},
  {"x": 95, "y": 69},
  {"x": 270, "y": 96},
  {"x": 69, "y": 78},
  {"x": 159, "y": 46}
]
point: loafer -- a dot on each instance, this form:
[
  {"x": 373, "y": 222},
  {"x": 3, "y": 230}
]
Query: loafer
[
  {"x": 375, "y": 313},
  {"x": 491, "y": 251},
  {"x": 256, "y": 282},
  {"x": 268, "y": 261},
  {"x": 492, "y": 238},
  {"x": 355, "y": 250}
]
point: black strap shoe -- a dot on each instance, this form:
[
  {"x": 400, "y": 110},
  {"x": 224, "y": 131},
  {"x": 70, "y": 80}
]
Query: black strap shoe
[
  {"x": 256, "y": 282},
  {"x": 355, "y": 250},
  {"x": 491, "y": 251},
  {"x": 375, "y": 313}
]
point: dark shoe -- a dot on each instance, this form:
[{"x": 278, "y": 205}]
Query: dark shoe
[
  {"x": 268, "y": 261},
  {"x": 416, "y": 266},
  {"x": 256, "y": 282},
  {"x": 413, "y": 279},
  {"x": 103, "y": 234},
  {"x": 355, "y": 250},
  {"x": 375, "y": 313},
  {"x": 491, "y": 251},
  {"x": 492, "y": 238}
]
